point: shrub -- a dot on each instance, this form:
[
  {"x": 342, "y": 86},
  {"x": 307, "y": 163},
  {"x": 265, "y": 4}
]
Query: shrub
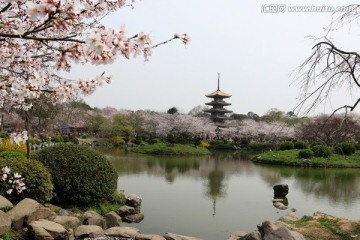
[
  {"x": 204, "y": 143},
  {"x": 32, "y": 141},
  {"x": 57, "y": 138},
  {"x": 306, "y": 153},
  {"x": 117, "y": 141},
  {"x": 345, "y": 148},
  {"x": 300, "y": 145},
  {"x": 66, "y": 138},
  {"x": 7, "y": 145},
  {"x": 321, "y": 151},
  {"x": 44, "y": 138},
  {"x": 37, "y": 179},
  {"x": 287, "y": 145},
  {"x": 12, "y": 154},
  {"x": 81, "y": 175}
]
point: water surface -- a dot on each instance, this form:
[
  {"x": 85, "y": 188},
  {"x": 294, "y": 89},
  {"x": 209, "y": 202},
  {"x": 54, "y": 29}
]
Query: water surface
[{"x": 213, "y": 196}]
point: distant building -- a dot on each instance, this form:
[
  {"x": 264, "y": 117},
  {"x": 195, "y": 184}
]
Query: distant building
[{"x": 218, "y": 111}]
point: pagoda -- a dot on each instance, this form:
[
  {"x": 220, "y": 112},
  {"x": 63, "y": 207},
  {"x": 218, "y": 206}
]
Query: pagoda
[{"x": 218, "y": 111}]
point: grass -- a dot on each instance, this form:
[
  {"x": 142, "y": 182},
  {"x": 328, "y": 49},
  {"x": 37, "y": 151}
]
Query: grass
[
  {"x": 104, "y": 208},
  {"x": 291, "y": 158},
  {"x": 171, "y": 149},
  {"x": 9, "y": 235}
]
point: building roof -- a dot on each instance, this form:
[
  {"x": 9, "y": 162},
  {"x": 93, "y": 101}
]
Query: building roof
[
  {"x": 219, "y": 103},
  {"x": 218, "y": 93}
]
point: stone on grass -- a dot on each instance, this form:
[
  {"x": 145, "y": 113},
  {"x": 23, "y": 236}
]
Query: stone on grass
[
  {"x": 289, "y": 217},
  {"x": 5, "y": 222}
]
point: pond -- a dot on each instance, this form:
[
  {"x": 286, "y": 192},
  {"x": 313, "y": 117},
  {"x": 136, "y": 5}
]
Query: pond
[{"x": 213, "y": 196}]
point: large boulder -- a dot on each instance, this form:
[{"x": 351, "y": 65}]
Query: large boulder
[
  {"x": 5, "y": 222},
  {"x": 245, "y": 236},
  {"x": 112, "y": 219},
  {"x": 5, "y": 203},
  {"x": 68, "y": 221},
  {"x": 172, "y": 236},
  {"x": 281, "y": 190},
  {"x": 21, "y": 211},
  {"x": 289, "y": 217},
  {"x": 47, "y": 230},
  {"x": 40, "y": 213},
  {"x": 133, "y": 200},
  {"x": 126, "y": 210},
  {"x": 278, "y": 230},
  {"x": 88, "y": 231},
  {"x": 134, "y": 218},
  {"x": 125, "y": 232},
  {"x": 93, "y": 218},
  {"x": 149, "y": 237}
]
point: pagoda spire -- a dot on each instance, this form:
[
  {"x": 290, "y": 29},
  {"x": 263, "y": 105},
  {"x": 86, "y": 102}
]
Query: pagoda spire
[{"x": 218, "y": 81}]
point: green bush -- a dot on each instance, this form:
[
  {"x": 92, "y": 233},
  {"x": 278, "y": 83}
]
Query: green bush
[
  {"x": 300, "y": 145},
  {"x": 81, "y": 175},
  {"x": 345, "y": 148},
  {"x": 57, "y": 138},
  {"x": 37, "y": 179},
  {"x": 66, "y": 138},
  {"x": 117, "y": 141},
  {"x": 32, "y": 141},
  {"x": 321, "y": 151},
  {"x": 12, "y": 154},
  {"x": 306, "y": 153},
  {"x": 287, "y": 145}
]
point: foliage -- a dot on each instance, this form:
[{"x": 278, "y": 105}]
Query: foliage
[
  {"x": 290, "y": 158},
  {"x": 273, "y": 115},
  {"x": 204, "y": 144},
  {"x": 9, "y": 235},
  {"x": 37, "y": 178},
  {"x": 7, "y": 145},
  {"x": 300, "y": 145},
  {"x": 170, "y": 149},
  {"x": 81, "y": 175},
  {"x": 32, "y": 141},
  {"x": 117, "y": 141},
  {"x": 345, "y": 148},
  {"x": 321, "y": 151},
  {"x": 306, "y": 153},
  {"x": 286, "y": 145},
  {"x": 172, "y": 110},
  {"x": 12, "y": 154},
  {"x": 329, "y": 130},
  {"x": 57, "y": 139},
  {"x": 44, "y": 138},
  {"x": 113, "y": 204}
]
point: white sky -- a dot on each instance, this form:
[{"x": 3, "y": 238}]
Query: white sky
[{"x": 254, "y": 52}]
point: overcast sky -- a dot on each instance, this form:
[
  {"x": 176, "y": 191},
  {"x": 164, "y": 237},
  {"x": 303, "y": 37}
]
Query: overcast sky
[{"x": 254, "y": 52}]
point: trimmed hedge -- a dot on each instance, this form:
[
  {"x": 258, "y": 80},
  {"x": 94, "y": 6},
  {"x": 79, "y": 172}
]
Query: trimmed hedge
[
  {"x": 37, "y": 179},
  {"x": 321, "y": 151},
  {"x": 12, "y": 154},
  {"x": 300, "y": 145},
  {"x": 345, "y": 148},
  {"x": 287, "y": 145},
  {"x": 81, "y": 175},
  {"x": 306, "y": 153}
]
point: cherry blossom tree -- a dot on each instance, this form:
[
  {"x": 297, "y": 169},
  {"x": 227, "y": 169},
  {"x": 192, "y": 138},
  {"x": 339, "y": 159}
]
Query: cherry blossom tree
[{"x": 41, "y": 38}]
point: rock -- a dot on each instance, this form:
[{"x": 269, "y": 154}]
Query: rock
[
  {"x": 22, "y": 210},
  {"x": 47, "y": 230},
  {"x": 128, "y": 232},
  {"x": 67, "y": 221},
  {"x": 149, "y": 237},
  {"x": 63, "y": 212},
  {"x": 172, "y": 236},
  {"x": 88, "y": 231},
  {"x": 289, "y": 217},
  {"x": 93, "y": 218},
  {"x": 281, "y": 190},
  {"x": 133, "y": 200},
  {"x": 112, "y": 219},
  {"x": 4, "y": 203},
  {"x": 135, "y": 218},
  {"x": 126, "y": 210},
  {"x": 40, "y": 213},
  {"x": 5, "y": 222},
  {"x": 280, "y": 205},
  {"x": 243, "y": 236},
  {"x": 278, "y": 230}
]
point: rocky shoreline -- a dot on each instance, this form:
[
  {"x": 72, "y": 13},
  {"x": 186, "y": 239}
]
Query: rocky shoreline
[{"x": 32, "y": 220}]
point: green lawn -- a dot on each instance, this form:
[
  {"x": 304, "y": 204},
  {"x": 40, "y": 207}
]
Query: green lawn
[
  {"x": 171, "y": 149},
  {"x": 290, "y": 158}
]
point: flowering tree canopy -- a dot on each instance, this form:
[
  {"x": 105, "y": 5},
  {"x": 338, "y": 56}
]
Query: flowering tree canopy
[{"x": 41, "y": 38}]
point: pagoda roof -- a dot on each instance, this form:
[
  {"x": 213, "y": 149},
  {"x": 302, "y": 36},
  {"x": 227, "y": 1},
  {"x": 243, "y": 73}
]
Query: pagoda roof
[
  {"x": 218, "y": 93},
  {"x": 219, "y": 110},
  {"x": 222, "y": 103}
]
